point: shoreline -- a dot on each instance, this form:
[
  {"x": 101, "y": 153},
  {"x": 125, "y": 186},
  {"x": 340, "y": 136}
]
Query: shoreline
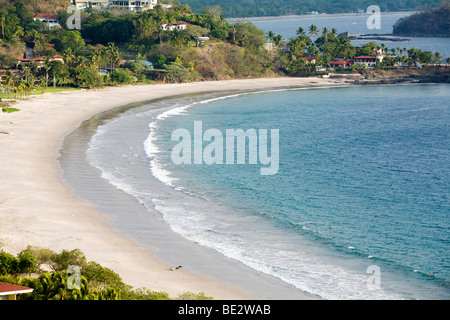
[
  {"x": 301, "y": 16},
  {"x": 38, "y": 208}
]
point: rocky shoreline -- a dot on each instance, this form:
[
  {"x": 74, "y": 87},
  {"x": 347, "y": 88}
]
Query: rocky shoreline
[{"x": 429, "y": 75}]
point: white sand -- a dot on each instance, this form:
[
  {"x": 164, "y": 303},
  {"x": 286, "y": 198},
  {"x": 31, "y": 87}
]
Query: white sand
[{"x": 37, "y": 208}]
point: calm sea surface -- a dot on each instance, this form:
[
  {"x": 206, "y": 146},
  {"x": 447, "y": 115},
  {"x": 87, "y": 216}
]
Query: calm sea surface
[
  {"x": 356, "y": 25},
  {"x": 358, "y": 210}
]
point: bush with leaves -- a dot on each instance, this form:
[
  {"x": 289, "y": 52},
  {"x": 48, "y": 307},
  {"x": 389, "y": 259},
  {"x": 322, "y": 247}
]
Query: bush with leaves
[{"x": 178, "y": 73}]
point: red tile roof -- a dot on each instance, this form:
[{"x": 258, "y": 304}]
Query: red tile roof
[
  {"x": 46, "y": 16},
  {"x": 340, "y": 62},
  {"x": 32, "y": 59},
  {"x": 307, "y": 58},
  {"x": 365, "y": 57},
  {"x": 8, "y": 288}
]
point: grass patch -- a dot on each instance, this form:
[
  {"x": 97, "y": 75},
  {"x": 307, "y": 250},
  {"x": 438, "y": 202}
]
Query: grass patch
[
  {"x": 38, "y": 91},
  {"x": 10, "y": 110}
]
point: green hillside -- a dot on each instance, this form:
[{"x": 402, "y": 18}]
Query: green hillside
[
  {"x": 247, "y": 8},
  {"x": 434, "y": 22}
]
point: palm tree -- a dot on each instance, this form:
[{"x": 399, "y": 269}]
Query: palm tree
[
  {"x": 46, "y": 68},
  {"x": 300, "y": 31},
  {"x": 270, "y": 35},
  {"x": 233, "y": 33},
  {"x": 26, "y": 72},
  {"x": 112, "y": 52},
  {"x": 278, "y": 40},
  {"x": 69, "y": 57},
  {"x": 334, "y": 32},
  {"x": 43, "y": 85},
  {"x": 312, "y": 30},
  {"x": 19, "y": 88},
  {"x": 9, "y": 81},
  {"x": 325, "y": 34},
  {"x": 437, "y": 58}
]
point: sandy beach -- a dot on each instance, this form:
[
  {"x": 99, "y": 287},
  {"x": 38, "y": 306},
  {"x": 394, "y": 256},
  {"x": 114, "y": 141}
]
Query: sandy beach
[{"x": 38, "y": 208}]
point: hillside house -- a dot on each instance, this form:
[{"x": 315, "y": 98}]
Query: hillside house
[
  {"x": 341, "y": 64},
  {"x": 132, "y": 5},
  {"x": 180, "y": 25},
  {"x": 97, "y": 4},
  {"x": 49, "y": 18},
  {"x": 39, "y": 60},
  {"x": 308, "y": 59}
]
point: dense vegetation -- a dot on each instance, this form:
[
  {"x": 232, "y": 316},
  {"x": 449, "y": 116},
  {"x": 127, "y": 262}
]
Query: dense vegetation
[
  {"x": 94, "y": 282},
  {"x": 41, "y": 6},
  {"x": 433, "y": 22},
  {"x": 251, "y": 8},
  {"x": 112, "y": 49}
]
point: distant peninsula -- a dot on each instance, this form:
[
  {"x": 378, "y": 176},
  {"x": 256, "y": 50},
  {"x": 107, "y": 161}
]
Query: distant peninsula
[{"x": 434, "y": 22}]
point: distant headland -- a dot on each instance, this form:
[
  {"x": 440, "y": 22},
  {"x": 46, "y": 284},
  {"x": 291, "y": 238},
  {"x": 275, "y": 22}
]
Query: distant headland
[{"x": 433, "y": 22}]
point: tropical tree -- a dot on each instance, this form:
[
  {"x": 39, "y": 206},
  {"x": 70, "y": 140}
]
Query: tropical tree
[
  {"x": 325, "y": 34},
  {"x": 113, "y": 54},
  {"x": 54, "y": 286},
  {"x": 300, "y": 31},
  {"x": 334, "y": 32},
  {"x": 9, "y": 81},
  {"x": 437, "y": 58},
  {"x": 270, "y": 35},
  {"x": 69, "y": 57},
  {"x": 19, "y": 88},
  {"x": 312, "y": 30},
  {"x": 233, "y": 32},
  {"x": 278, "y": 40},
  {"x": 27, "y": 262}
]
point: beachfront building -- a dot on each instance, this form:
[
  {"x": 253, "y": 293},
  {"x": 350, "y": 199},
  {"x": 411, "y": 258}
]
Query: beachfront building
[
  {"x": 308, "y": 59},
  {"x": 132, "y": 5},
  {"x": 368, "y": 61},
  {"x": 380, "y": 54},
  {"x": 341, "y": 64},
  {"x": 39, "y": 60},
  {"x": 49, "y": 18},
  {"x": 180, "y": 25},
  {"x": 9, "y": 291}
]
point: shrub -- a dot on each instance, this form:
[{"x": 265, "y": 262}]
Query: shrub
[
  {"x": 10, "y": 110},
  {"x": 8, "y": 264},
  {"x": 122, "y": 76},
  {"x": 62, "y": 261},
  {"x": 177, "y": 73}
]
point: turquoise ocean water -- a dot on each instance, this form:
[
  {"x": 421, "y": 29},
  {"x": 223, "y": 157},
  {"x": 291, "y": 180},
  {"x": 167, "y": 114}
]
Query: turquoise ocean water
[
  {"x": 363, "y": 181},
  {"x": 362, "y": 185}
]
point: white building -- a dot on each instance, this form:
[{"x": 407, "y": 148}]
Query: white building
[
  {"x": 132, "y": 5},
  {"x": 128, "y": 5},
  {"x": 49, "y": 18},
  {"x": 368, "y": 61},
  {"x": 98, "y": 4},
  {"x": 180, "y": 25}
]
